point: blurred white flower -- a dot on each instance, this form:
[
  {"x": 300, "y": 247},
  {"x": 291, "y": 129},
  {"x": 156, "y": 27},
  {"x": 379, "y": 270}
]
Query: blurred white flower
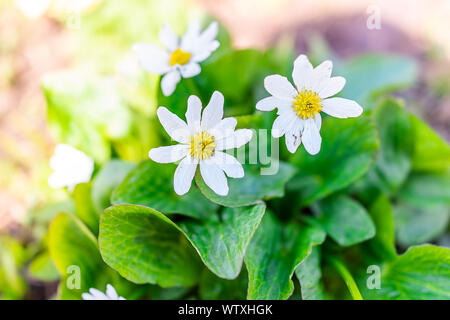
[
  {"x": 202, "y": 141},
  {"x": 181, "y": 57},
  {"x": 70, "y": 167},
  {"x": 33, "y": 8},
  {"x": 95, "y": 294},
  {"x": 299, "y": 108}
]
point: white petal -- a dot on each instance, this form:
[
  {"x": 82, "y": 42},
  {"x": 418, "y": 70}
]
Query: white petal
[
  {"x": 282, "y": 124},
  {"x": 302, "y": 73},
  {"x": 229, "y": 164},
  {"x": 174, "y": 126},
  {"x": 183, "y": 175},
  {"x": 87, "y": 296},
  {"x": 330, "y": 87},
  {"x": 169, "y": 82},
  {"x": 293, "y": 137},
  {"x": 97, "y": 294},
  {"x": 318, "y": 121},
  {"x": 235, "y": 140},
  {"x": 280, "y": 87},
  {"x": 169, "y": 154},
  {"x": 324, "y": 69},
  {"x": 189, "y": 38},
  {"x": 203, "y": 51},
  {"x": 193, "y": 113},
  {"x": 210, "y": 33},
  {"x": 311, "y": 137},
  {"x": 270, "y": 103},
  {"x": 214, "y": 177},
  {"x": 341, "y": 108},
  {"x": 152, "y": 58},
  {"x": 190, "y": 70},
  {"x": 213, "y": 112},
  {"x": 111, "y": 292},
  {"x": 168, "y": 37},
  {"x": 224, "y": 128}
]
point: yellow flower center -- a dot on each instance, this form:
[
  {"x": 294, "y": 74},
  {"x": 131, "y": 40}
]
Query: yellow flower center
[
  {"x": 179, "y": 57},
  {"x": 307, "y": 104},
  {"x": 202, "y": 145}
]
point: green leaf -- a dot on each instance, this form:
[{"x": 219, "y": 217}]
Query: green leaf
[
  {"x": 274, "y": 253},
  {"x": 345, "y": 220},
  {"x": 422, "y": 212},
  {"x": 74, "y": 251},
  {"x": 371, "y": 74},
  {"x": 431, "y": 152},
  {"x": 419, "y": 224},
  {"x": 251, "y": 189},
  {"x": 106, "y": 180},
  {"x": 43, "y": 268},
  {"x": 222, "y": 72},
  {"x": 382, "y": 245},
  {"x": 310, "y": 276},
  {"x": 214, "y": 288},
  {"x": 144, "y": 246},
  {"x": 423, "y": 189},
  {"x": 393, "y": 162},
  {"x": 151, "y": 184},
  {"x": 222, "y": 240},
  {"x": 422, "y": 273},
  {"x": 85, "y": 207},
  {"x": 348, "y": 147}
]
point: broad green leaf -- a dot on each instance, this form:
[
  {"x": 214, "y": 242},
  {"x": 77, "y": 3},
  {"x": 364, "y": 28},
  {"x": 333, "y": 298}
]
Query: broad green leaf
[
  {"x": 310, "y": 276},
  {"x": 85, "y": 207},
  {"x": 214, "y": 288},
  {"x": 274, "y": 253},
  {"x": 382, "y": 245},
  {"x": 417, "y": 224},
  {"x": 371, "y": 74},
  {"x": 423, "y": 189},
  {"x": 12, "y": 257},
  {"x": 252, "y": 188},
  {"x": 144, "y": 246},
  {"x": 106, "y": 180},
  {"x": 75, "y": 253},
  {"x": 348, "y": 147},
  {"x": 431, "y": 152},
  {"x": 223, "y": 239},
  {"x": 423, "y": 209},
  {"x": 43, "y": 268},
  {"x": 151, "y": 184},
  {"x": 421, "y": 273},
  {"x": 393, "y": 161},
  {"x": 345, "y": 220}
]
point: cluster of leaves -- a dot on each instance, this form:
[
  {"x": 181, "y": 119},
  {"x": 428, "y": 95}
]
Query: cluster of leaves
[
  {"x": 376, "y": 194},
  {"x": 380, "y": 185}
]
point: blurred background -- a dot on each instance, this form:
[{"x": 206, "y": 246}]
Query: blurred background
[{"x": 76, "y": 53}]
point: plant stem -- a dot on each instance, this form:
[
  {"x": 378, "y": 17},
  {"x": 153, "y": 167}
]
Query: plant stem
[{"x": 345, "y": 274}]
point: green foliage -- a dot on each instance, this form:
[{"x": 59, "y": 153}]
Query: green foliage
[
  {"x": 379, "y": 185},
  {"x": 252, "y": 188},
  {"x": 151, "y": 184},
  {"x": 348, "y": 148},
  {"x": 275, "y": 252}
]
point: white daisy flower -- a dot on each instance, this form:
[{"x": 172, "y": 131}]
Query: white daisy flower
[
  {"x": 181, "y": 57},
  {"x": 70, "y": 167},
  {"x": 299, "y": 108},
  {"x": 202, "y": 141},
  {"x": 95, "y": 294}
]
